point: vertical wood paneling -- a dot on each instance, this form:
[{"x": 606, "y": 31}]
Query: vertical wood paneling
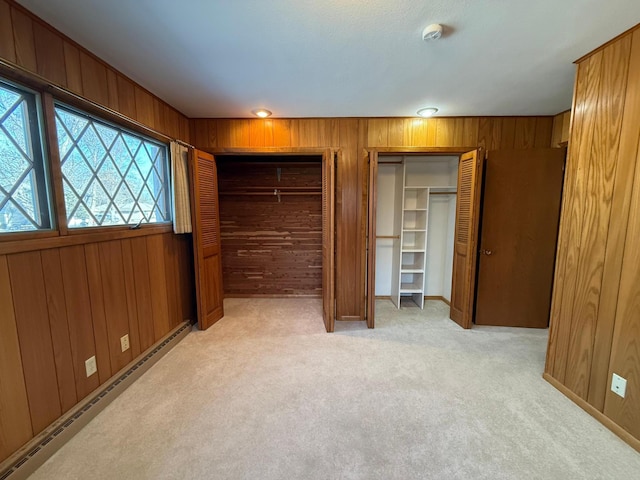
[
  {"x": 101, "y": 337},
  {"x": 49, "y": 54},
  {"x": 525, "y": 132},
  {"x": 72, "y": 67},
  {"x": 7, "y": 45},
  {"x": 126, "y": 97},
  {"x": 32, "y": 319},
  {"x": 112, "y": 90},
  {"x": 57, "y": 309},
  {"x": 130, "y": 288},
  {"x": 15, "y": 420},
  {"x": 94, "y": 79},
  {"x": 544, "y": 127},
  {"x": 78, "y": 305},
  {"x": 115, "y": 301},
  {"x": 573, "y": 210},
  {"x": 617, "y": 233},
  {"x": 157, "y": 282},
  {"x": 625, "y": 358},
  {"x": 144, "y": 106},
  {"x": 603, "y": 157},
  {"x": 24, "y": 40},
  {"x": 143, "y": 292},
  {"x": 378, "y": 135},
  {"x": 170, "y": 260}
]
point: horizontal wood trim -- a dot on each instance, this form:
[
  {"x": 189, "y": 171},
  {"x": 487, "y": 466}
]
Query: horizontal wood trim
[
  {"x": 598, "y": 415},
  {"x": 605, "y": 45},
  {"x": 420, "y": 150},
  {"x": 22, "y": 236},
  {"x": 33, "y": 244},
  {"x": 266, "y": 150}
]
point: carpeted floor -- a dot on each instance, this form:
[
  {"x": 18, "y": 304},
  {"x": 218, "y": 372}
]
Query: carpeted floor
[{"x": 267, "y": 394}]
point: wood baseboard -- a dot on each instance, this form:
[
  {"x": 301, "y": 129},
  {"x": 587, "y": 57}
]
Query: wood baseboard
[
  {"x": 595, "y": 413},
  {"x": 436, "y": 297},
  {"x": 27, "y": 459}
]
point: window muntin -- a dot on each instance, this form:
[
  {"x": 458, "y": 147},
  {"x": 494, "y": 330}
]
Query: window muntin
[
  {"x": 24, "y": 197},
  {"x": 111, "y": 176}
]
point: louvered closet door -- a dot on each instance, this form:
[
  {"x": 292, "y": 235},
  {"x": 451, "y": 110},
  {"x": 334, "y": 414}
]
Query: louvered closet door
[
  {"x": 328, "y": 239},
  {"x": 466, "y": 237},
  {"x": 206, "y": 238}
]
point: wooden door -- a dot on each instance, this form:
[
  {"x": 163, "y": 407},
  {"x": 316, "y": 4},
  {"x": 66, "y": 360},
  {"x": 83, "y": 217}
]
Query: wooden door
[
  {"x": 519, "y": 232},
  {"x": 328, "y": 239},
  {"x": 206, "y": 238},
  {"x": 466, "y": 237},
  {"x": 371, "y": 240}
]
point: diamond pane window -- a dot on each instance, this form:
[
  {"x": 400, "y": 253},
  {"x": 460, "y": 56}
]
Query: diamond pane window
[
  {"x": 111, "y": 176},
  {"x": 24, "y": 204}
]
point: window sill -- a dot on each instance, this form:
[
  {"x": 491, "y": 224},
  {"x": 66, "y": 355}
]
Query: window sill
[{"x": 44, "y": 240}]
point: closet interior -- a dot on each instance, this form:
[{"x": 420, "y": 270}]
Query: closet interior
[
  {"x": 415, "y": 222},
  {"x": 271, "y": 225}
]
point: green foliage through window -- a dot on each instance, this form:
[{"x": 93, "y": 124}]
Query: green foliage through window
[{"x": 110, "y": 176}]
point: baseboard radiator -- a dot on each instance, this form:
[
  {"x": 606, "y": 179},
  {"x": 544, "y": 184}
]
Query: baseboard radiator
[{"x": 26, "y": 460}]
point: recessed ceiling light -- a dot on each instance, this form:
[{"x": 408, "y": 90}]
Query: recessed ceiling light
[
  {"x": 261, "y": 112},
  {"x": 427, "y": 112}
]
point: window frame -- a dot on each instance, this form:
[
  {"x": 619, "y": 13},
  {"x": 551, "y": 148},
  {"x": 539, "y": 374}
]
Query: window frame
[
  {"x": 59, "y": 235},
  {"x": 100, "y": 118},
  {"x": 41, "y": 164}
]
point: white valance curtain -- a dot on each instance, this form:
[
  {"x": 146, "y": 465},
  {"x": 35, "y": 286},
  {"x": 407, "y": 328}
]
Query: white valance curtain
[{"x": 180, "y": 202}]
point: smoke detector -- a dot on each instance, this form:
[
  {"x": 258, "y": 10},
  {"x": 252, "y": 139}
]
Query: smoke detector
[{"x": 432, "y": 32}]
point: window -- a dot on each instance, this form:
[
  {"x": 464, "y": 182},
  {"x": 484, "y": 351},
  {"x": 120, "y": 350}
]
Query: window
[
  {"x": 24, "y": 204},
  {"x": 110, "y": 176}
]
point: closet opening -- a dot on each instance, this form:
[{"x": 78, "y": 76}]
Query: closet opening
[
  {"x": 276, "y": 224},
  {"x": 415, "y": 217},
  {"x": 271, "y": 225},
  {"x": 421, "y": 225}
]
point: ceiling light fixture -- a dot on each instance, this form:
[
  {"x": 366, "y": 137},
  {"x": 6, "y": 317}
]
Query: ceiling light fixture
[
  {"x": 261, "y": 112},
  {"x": 432, "y": 32},
  {"x": 427, "y": 112}
]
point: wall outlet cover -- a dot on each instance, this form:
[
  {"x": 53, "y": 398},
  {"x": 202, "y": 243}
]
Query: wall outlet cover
[
  {"x": 124, "y": 342},
  {"x": 90, "y": 366},
  {"x": 618, "y": 385}
]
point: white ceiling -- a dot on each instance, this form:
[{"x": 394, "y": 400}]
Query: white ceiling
[{"x": 338, "y": 58}]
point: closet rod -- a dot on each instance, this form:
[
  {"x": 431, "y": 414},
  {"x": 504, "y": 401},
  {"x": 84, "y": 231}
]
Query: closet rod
[
  {"x": 443, "y": 193},
  {"x": 388, "y": 236}
]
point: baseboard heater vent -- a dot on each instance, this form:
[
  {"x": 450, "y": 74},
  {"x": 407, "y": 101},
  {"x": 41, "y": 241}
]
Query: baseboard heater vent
[{"x": 31, "y": 457}]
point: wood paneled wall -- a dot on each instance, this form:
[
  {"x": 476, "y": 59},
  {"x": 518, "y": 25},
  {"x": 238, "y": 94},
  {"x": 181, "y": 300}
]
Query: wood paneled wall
[
  {"x": 27, "y": 41},
  {"x": 61, "y": 305},
  {"x": 271, "y": 245},
  {"x": 595, "y": 318},
  {"x": 353, "y": 135},
  {"x": 560, "y": 132}
]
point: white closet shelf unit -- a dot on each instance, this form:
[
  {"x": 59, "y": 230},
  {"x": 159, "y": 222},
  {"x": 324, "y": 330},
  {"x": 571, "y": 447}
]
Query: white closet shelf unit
[
  {"x": 416, "y": 202},
  {"x": 414, "y": 236}
]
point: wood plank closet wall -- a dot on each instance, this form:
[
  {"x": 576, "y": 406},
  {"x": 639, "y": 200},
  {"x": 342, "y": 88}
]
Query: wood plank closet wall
[
  {"x": 66, "y": 298},
  {"x": 595, "y": 319},
  {"x": 271, "y": 244},
  {"x": 353, "y": 135}
]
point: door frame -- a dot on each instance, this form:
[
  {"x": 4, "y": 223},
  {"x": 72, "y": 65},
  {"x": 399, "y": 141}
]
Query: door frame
[
  {"x": 298, "y": 151},
  {"x": 373, "y": 155}
]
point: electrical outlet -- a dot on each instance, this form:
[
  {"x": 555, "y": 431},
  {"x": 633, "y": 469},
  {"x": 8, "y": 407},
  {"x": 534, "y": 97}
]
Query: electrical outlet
[
  {"x": 124, "y": 342},
  {"x": 618, "y": 385},
  {"x": 90, "y": 366}
]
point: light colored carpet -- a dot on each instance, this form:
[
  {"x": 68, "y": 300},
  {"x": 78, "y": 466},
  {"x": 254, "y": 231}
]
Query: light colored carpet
[{"x": 267, "y": 394}]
